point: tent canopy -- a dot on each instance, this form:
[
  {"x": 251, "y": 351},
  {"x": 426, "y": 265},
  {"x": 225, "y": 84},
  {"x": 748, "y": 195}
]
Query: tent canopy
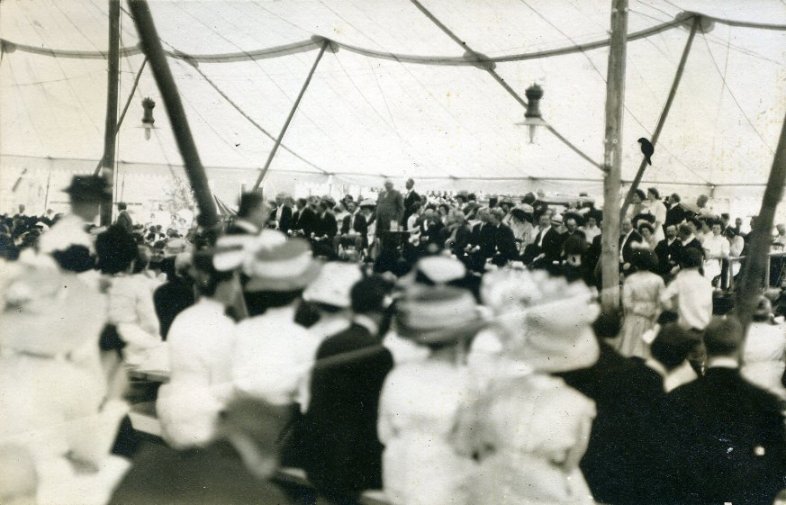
[{"x": 433, "y": 116}]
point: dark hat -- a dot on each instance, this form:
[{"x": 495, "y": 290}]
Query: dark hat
[
  {"x": 88, "y": 188},
  {"x": 723, "y": 336},
  {"x": 673, "y": 344},
  {"x": 597, "y": 214}
]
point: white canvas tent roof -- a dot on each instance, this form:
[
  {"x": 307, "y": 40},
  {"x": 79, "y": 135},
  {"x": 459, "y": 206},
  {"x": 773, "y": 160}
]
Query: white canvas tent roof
[{"x": 364, "y": 116}]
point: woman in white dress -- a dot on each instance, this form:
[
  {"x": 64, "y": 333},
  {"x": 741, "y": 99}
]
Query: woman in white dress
[
  {"x": 529, "y": 430},
  {"x": 716, "y": 250},
  {"x": 52, "y": 407},
  {"x": 641, "y": 303},
  {"x": 657, "y": 209},
  {"x": 201, "y": 344},
  {"x": 421, "y": 399}
]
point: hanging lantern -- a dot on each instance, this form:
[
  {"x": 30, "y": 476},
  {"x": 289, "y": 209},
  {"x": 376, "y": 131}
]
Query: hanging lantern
[
  {"x": 147, "y": 118},
  {"x": 532, "y": 117}
]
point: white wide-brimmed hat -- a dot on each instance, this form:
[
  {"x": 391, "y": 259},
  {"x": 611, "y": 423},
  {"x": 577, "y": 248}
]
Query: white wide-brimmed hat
[
  {"x": 46, "y": 311},
  {"x": 546, "y": 319},
  {"x": 334, "y": 284}
]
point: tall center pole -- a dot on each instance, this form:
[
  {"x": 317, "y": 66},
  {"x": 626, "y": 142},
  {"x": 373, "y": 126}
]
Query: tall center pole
[
  {"x": 612, "y": 157},
  {"x": 113, "y": 71},
  {"x": 151, "y": 45}
]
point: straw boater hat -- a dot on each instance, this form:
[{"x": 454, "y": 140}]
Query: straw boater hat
[
  {"x": 368, "y": 202},
  {"x": 233, "y": 251},
  {"x": 334, "y": 284},
  {"x": 289, "y": 266},
  {"x": 88, "y": 188},
  {"x": 439, "y": 314}
]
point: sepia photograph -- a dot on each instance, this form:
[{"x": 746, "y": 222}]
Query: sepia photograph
[{"x": 392, "y": 252}]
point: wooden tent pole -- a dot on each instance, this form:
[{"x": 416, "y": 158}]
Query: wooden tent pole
[
  {"x": 612, "y": 158},
  {"x": 663, "y": 115},
  {"x": 750, "y": 285},
  {"x": 125, "y": 108},
  {"x": 151, "y": 45},
  {"x": 273, "y": 151},
  {"x": 113, "y": 72}
]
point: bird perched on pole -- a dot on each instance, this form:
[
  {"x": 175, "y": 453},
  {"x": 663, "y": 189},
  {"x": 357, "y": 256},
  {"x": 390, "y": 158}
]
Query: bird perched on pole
[{"x": 647, "y": 149}]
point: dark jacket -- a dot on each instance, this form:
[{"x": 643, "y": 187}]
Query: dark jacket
[
  {"x": 626, "y": 245},
  {"x": 307, "y": 221},
  {"x": 693, "y": 244},
  {"x": 675, "y": 215},
  {"x": 344, "y": 455},
  {"x": 170, "y": 299},
  {"x": 326, "y": 226},
  {"x": 731, "y": 445},
  {"x": 625, "y": 460},
  {"x": 551, "y": 246},
  {"x": 285, "y": 223},
  {"x": 433, "y": 233},
  {"x": 360, "y": 226},
  {"x": 124, "y": 220},
  {"x": 505, "y": 242},
  {"x": 390, "y": 207},
  {"x": 409, "y": 201},
  {"x": 461, "y": 240},
  {"x": 668, "y": 255}
]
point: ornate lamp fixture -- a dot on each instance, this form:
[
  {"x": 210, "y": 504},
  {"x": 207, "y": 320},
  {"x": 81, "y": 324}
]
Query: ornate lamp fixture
[{"x": 147, "y": 118}]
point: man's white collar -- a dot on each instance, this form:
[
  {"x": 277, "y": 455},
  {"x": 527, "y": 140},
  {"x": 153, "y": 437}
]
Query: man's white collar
[
  {"x": 367, "y": 323},
  {"x": 658, "y": 367},
  {"x": 723, "y": 362}
]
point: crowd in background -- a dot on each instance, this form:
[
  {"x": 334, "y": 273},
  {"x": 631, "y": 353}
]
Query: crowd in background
[{"x": 441, "y": 349}]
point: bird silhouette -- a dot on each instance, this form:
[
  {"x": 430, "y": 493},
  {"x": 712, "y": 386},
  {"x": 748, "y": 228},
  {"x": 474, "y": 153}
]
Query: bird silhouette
[{"x": 647, "y": 149}]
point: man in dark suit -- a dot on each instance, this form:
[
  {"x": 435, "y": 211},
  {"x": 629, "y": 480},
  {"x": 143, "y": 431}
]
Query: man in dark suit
[
  {"x": 176, "y": 294},
  {"x": 307, "y": 218},
  {"x": 283, "y": 213},
  {"x": 688, "y": 240},
  {"x": 344, "y": 455},
  {"x": 628, "y": 237},
  {"x": 547, "y": 246},
  {"x": 252, "y": 214},
  {"x": 325, "y": 231},
  {"x": 668, "y": 252},
  {"x": 123, "y": 218},
  {"x": 731, "y": 446},
  {"x": 354, "y": 229},
  {"x": 234, "y": 470},
  {"x": 625, "y": 462},
  {"x": 675, "y": 212},
  {"x": 390, "y": 207},
  {"x": 504, "y": 241},
  {"x": 410, "y": 198}
]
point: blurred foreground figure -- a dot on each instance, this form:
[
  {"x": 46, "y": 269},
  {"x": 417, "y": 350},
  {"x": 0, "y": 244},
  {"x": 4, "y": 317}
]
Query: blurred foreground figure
[
  {"x": 53, "y": 401},
  {"x": 68, "y": 240},
  {"x": 233, "y": 470},
  {"x": 17, "y": 476},
  {"x": 731, "y": 433}
]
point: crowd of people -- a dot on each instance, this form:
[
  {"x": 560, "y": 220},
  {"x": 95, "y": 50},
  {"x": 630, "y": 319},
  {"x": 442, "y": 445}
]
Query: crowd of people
[{"x": 441, "y": 349}]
